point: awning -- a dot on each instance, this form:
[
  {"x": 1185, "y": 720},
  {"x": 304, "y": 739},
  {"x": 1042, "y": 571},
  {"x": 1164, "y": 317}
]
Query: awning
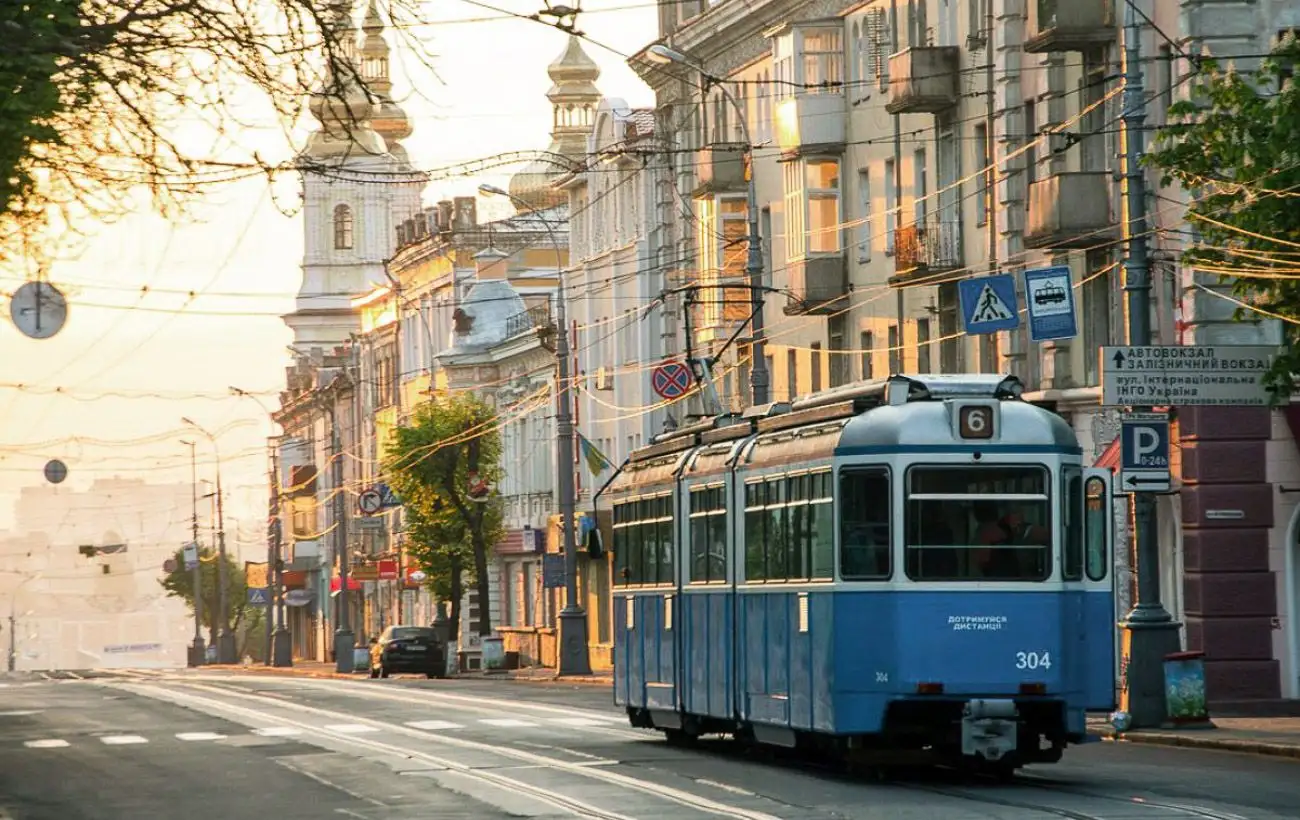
[
  {"x": 1109, "y": 458},
  {"x": 353, "y": 584}
]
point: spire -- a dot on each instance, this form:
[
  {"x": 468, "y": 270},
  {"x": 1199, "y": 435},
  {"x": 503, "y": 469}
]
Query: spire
[
  {"x": 342, "y": 107},
  {"x": 574, "y": 98},
  {"x": 391, "y": 122}
]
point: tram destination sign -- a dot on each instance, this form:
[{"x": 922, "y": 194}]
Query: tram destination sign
[{"x": 1205, "y": 375}]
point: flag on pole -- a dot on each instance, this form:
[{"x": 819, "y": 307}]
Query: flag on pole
[{"x": 596, "y": 460}]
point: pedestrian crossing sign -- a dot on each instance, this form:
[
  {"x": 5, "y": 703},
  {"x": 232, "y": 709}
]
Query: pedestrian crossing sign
[
  {"x": 988, "y": 303},
  {"x": 258, "y": 596}
]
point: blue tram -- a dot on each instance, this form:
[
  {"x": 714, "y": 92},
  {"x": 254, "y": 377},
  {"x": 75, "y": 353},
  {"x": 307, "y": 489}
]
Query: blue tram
[{"x": 910, "y": 570}]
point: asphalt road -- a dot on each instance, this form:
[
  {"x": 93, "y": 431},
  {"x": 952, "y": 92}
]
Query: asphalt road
[{"x": 194, "y": 745}]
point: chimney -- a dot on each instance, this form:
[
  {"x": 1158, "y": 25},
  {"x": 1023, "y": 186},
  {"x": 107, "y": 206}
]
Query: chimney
[
  {"x": 445, "y": 211},
  {"x": 401, "y": 234},
  {"x": 491, "y": 263},
  {"x": 465, "y": 213}
]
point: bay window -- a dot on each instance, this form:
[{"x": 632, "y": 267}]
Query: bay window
[{"x": 812, "y": 207}]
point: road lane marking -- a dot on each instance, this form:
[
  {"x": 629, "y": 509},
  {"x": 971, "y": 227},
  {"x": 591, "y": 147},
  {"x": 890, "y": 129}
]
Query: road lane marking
[
  {"x": 122, "y": 740},
  {"x": 579, "y": 721},
  {"x": 510, "y": 723},
  {"x": 278, "y": 731},
  {"x": 351, "y": 728},
  {"x": 434, "y": 725},
  {"x": 200, "y": 736},
  {"x": 187, "y": 692},
  {"x": 52, "y": 743}
]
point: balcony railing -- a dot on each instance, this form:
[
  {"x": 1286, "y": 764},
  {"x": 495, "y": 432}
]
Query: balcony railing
[
  {"x": 933, "y": 246},
  {"x": 528, "y": 320}
]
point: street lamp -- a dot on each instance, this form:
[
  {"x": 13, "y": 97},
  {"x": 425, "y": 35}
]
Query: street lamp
[
  {"x": 573, "y": 657},
  {"x": 279, "y": 643},
  {"x": 198, "y": 652},
  {"x": 758, "y": 375},
  {"x": 225, "y": 638}
]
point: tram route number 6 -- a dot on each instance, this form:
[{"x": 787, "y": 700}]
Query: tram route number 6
[
  {"x": 1034, "y": 660},
  {"x": 975, "y": 421}
]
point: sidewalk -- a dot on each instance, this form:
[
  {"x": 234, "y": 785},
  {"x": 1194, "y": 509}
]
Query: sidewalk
[
  {"x": 1276, "y": 737},
  {"x": 316, "y": 669}
]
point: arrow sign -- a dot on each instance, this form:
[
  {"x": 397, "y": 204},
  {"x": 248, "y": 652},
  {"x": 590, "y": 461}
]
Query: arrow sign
[
  {"x": 1119, "y": 358},
  {"x": 1134, "y": 481}
]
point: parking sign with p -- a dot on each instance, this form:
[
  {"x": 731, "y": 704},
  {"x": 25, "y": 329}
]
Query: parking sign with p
[{"x": 1144, "y": 453}]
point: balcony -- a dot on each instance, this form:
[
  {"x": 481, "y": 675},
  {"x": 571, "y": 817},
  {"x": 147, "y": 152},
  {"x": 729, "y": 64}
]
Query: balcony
[
  {"x": 720, "y": 169},
  {"x": 1070, "y": 211},
  {"x": 930, "y": 247},
  {"x": 923, "y": 80},
  {"x": 528, "y": 320},
  {"x": 810, "y": 120},
  {"x": 1071, "y": 25},
  {"x": 819, "y": 285}
]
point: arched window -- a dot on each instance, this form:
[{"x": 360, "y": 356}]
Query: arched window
[{"x": 342, "y": 228}]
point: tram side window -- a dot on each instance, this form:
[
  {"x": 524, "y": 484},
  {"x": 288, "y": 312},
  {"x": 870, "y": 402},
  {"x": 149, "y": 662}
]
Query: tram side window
[
  {"x": 864, "y": 525},
  {"x": 643, "y": 542},
  {"x": 978, "y": 523},
  {"x": 788, "y": 528},
  {"x": 708, "y": 550},
  {"x": 1097, "y": 521}
]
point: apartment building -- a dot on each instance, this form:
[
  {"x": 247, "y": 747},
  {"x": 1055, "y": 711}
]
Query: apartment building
[{"x": 899, "y": 146}]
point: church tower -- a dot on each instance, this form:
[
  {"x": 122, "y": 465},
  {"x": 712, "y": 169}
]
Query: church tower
[
  {"x": 353, "y": 193},
  {"x": 574, "y": 99}
]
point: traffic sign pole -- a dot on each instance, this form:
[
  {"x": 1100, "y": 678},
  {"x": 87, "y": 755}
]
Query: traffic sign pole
[{"x": 1149, "y": 631}]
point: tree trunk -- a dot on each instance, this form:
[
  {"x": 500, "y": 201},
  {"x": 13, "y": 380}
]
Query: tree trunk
[
  {"x": 457, "y": 594},
  {"x": 481, "y": 583}
]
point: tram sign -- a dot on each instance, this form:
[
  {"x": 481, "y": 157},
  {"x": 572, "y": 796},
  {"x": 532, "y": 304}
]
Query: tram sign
[
  {"x": 1049, "y": 298},
  {"x": 1144, "y": 453},
  {"x": 1202, "y": 375},
  {"x": 671, "y": 380}
]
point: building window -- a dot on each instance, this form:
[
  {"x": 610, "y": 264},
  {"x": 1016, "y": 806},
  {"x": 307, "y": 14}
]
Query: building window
[
  {"x": 923, "y": 345},
  {"x": 876, "y": 46},
  {"x": 823, "y": 60},
  {"x": 895, "y": 351},
  {"x": 982, "y": 161},
  {"x": 1096, "y": 313},
  {"x": 891, "y": 205},
  {"x": 812, "y": 200},
  {"x": 723, "y": 236},
  {"x": 864, "y": 214},
  {"x": 816, "y": 366},
  {"x": 867, "y": 341},
  {"x": 342, "y": 228},
  {"x": 791, "y": 374},
  {"x": 839, "y": 360}
]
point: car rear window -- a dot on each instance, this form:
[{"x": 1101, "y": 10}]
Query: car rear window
[{"x": 402, "y": 633}]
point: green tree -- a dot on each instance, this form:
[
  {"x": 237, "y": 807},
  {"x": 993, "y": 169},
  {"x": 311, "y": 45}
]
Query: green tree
[
  {"x": 97, "y": 95},
  {"x": 444, "y": 466},
  {"x": 179, "y": 583},
  {"x": 1232, "y": 145}
]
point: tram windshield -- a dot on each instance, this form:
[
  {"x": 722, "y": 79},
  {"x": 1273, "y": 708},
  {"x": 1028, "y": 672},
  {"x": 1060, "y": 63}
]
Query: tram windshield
[{"x": 978, "y": 523}]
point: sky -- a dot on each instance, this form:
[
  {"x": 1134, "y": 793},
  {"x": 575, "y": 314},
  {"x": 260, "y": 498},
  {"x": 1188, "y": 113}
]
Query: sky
[{"x": 164, "y": 318}]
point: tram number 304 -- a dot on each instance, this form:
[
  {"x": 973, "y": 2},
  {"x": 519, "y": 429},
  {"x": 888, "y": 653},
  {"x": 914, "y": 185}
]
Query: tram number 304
[{"x": 1033, "y": 660}]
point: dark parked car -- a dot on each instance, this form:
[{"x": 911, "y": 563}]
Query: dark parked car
[{"x": 414, "y": 649}]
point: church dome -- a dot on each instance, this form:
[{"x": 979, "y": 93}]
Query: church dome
[
  {"x": 573, "y": 101},
  {"x": 343, "y": 107}
]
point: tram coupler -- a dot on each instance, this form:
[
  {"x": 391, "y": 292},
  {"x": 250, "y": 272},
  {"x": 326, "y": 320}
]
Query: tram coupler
[{"x": 989, "y": 729}]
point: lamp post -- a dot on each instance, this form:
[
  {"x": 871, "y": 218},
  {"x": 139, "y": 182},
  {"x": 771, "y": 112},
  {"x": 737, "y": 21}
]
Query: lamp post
[
  {"x": 759, "y": 379},
  {"x": 573, "y": 654},
  {"x": 225, "y": 638},
  {"x": 198, "y": 652},
  {"x": 279, "y": 642}
]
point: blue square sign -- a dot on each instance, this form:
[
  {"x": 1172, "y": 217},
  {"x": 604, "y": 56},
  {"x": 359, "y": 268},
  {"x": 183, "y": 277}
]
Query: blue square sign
[
  {"x": 988, "y": 303},
  {"x": 1049, "y": 298},
  {"x": 1144, "y": 453}
]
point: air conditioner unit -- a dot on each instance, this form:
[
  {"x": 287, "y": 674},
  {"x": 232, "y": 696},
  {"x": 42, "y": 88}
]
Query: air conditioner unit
[{"x": 605, "y": 378}]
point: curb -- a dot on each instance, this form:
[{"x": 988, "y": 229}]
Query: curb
[{"x": 1256, "y": 747}]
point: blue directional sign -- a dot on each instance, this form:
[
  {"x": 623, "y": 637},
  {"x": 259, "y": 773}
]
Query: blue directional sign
[
  {"x": 1049, "y": 298},
  {"x": 258, "y": 596},
  {"x": 1144, "y": 453},
  {"x": 988, "y": 303}
]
